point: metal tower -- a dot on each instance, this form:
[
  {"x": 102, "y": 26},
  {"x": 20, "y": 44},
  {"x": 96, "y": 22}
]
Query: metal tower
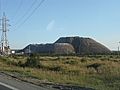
[{"x": 5, "y": 49}]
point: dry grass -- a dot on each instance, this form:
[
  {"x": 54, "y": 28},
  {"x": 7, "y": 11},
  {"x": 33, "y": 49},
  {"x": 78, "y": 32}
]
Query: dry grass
[{"x": 71, "y": 70}]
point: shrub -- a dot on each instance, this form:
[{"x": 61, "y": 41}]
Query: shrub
[
  {"x": 55, "y": 68},
  {"x": 32, "y": 61},
  {"x": 83, "y": 60},
  {"x": 71, "y": 62},
  {"x": 95, "y": 66}
]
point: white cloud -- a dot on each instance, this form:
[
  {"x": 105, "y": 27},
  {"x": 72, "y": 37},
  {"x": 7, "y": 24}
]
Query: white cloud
[{"x": 51, "y": 25}]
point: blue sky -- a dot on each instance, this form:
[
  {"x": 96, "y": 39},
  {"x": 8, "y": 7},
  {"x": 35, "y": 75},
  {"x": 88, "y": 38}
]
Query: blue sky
[{"x": 97, "y": 19}]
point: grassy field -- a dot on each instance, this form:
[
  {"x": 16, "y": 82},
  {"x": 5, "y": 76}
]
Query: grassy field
[{"x": 101, "y": 72}]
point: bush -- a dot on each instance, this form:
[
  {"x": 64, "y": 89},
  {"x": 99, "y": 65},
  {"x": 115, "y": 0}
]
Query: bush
[
  {"x": 56, "y": 68},
  {"x": 95, "y": 66},
  {"x": 71, "y": 62},
  {"x": 83, "y": 60},
  {"x": 32, "y": 61}
]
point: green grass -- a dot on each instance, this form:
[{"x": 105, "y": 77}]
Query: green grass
[{"x": 71, "y": 70}]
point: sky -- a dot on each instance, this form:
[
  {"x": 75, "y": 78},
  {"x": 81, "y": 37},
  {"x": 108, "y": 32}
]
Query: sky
[{"x": 97, "y": 19}]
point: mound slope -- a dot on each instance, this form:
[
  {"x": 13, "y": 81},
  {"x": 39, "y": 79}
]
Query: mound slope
[{"x": 84, "y": 45}]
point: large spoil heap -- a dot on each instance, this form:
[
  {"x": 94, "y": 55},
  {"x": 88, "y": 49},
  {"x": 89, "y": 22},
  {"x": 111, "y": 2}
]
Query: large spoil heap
[
  {"x": 69, "y": 45},
  {"x": 56, "y": 48},
  {"x": 84, "y": 45}
]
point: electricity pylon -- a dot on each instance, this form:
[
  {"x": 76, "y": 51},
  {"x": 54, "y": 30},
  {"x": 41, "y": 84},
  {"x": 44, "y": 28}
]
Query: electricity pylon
[{"x": 5, "y": 49}]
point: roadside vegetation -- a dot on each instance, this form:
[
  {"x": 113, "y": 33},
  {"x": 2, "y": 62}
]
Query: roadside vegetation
[{"x": 100, "y": 72}]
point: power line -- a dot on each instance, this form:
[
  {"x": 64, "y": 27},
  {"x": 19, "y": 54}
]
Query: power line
[
  {"x": 0, "y": 8},
  {"x": 5, "y": 6},
  {"x": 40, "y": 3},
  {"x": 18, "y": 9},
  {"x": 0, "y": 13},
  {"x": 26, "y": 13}
]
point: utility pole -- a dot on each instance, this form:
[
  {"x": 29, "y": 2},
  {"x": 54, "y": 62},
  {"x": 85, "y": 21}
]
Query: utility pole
[
  {"x": 29, "y": 50},
  {"x": 5, "y": 49},
  {"x": 118, "y": 48}
]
